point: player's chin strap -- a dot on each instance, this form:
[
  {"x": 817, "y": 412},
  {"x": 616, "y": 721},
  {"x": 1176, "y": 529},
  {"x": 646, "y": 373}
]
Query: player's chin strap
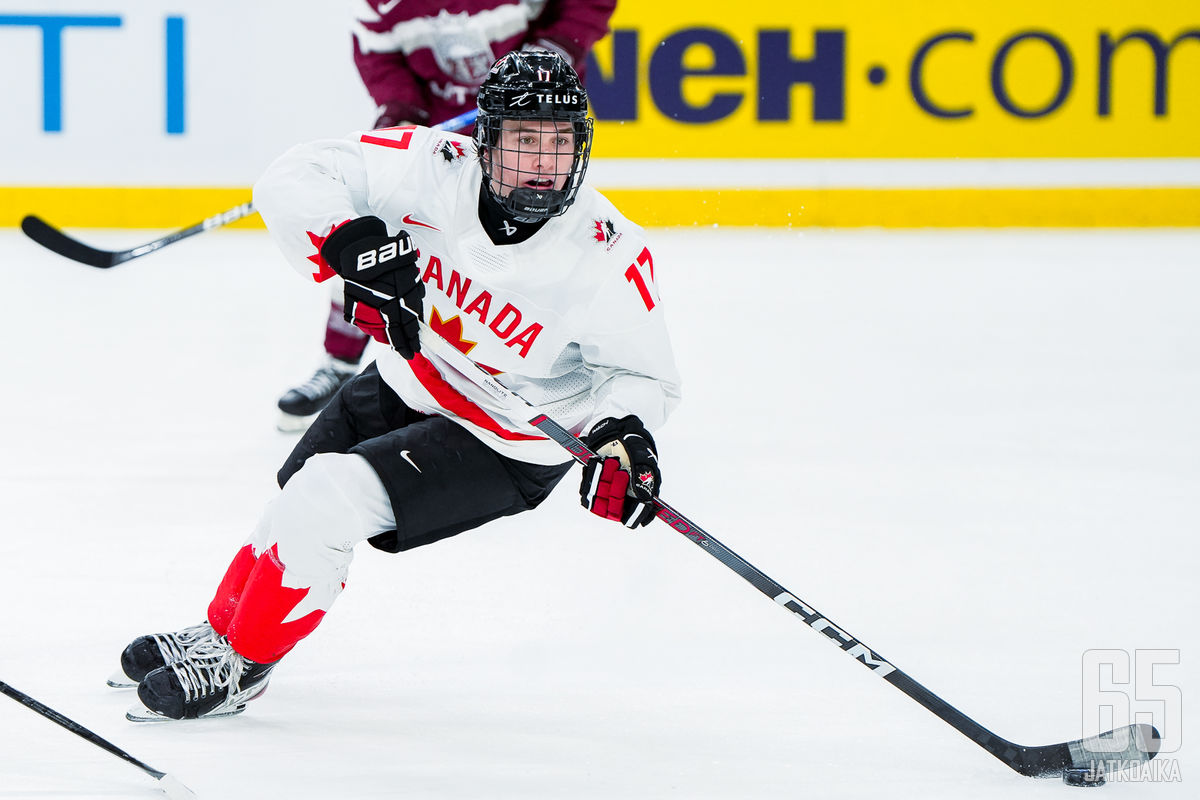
[{"x": 1037, "y": 761}]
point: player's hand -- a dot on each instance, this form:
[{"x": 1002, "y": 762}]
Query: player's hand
[
  {"x": 394, "y": 114},
  {"x": 384, "y": 296},
  {"x": 622, "y": 483}
]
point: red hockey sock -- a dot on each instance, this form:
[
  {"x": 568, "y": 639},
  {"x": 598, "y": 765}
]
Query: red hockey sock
[
  {"x": 258, "y": 629},
  {"x": 224, "y": 602}
]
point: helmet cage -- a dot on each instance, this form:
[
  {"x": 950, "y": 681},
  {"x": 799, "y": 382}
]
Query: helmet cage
[{"x": 537, "y": 87}]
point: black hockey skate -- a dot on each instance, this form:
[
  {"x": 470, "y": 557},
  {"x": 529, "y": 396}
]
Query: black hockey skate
[
  {"x": 147, "y": 653},
  {"x": 214, "y": 680},
  {"x": 299, "y": 405}
]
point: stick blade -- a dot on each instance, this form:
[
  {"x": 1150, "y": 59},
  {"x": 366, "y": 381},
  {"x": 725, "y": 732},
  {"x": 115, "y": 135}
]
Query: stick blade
[
  {"x": 1119, "y": 749},
  {"x": 56, "y": 241},
  {"x": 1128, "y": 746},
  {"x": 174, "y": 789}
]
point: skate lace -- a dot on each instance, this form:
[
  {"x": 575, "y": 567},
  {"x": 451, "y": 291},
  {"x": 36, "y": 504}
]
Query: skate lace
[
  {"x": 324, "y": 381},
  {"x": 175, "y": 646},
  {"x": 209, "y": 667}
]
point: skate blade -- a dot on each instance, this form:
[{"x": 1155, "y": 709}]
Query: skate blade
[
  {"x": 119, "y": 680},
  {"x": 140, "y": 714},
  {"x": 290, "y": 423}
]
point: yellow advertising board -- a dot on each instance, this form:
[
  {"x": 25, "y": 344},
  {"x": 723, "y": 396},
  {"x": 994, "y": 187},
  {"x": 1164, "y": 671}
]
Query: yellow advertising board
[
  {"x": 875, "y": 79},
  {"x": 1019, "y": 113}
]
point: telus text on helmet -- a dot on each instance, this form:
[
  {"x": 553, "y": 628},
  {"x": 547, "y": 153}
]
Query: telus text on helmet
[{"x": 540, "y": 98}]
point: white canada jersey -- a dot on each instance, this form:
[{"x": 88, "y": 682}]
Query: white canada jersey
[{"x": 570, "y": 319}]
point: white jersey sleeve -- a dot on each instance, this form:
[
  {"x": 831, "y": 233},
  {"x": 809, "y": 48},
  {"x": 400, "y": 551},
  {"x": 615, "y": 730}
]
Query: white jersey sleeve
[
  {"x": 623, "y": 338},
  {"x": 315, "y": 187}
]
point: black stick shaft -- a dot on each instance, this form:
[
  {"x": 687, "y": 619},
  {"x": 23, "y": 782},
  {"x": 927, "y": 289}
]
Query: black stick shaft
[{"x": 75, "y": 728}]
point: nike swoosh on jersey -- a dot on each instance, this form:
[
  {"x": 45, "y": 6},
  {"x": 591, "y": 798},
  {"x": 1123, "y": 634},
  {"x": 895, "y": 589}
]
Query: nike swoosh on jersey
[
  {"x": 386, "y": 7},
  {"x": 408, "y": 220},
  {"x": 407, "y": 456}
]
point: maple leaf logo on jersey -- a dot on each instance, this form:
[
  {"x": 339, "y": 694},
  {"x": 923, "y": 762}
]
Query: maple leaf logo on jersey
[
  {"x": 452, "y": 331},
  {"x": 452, "y": 151},
  {"x": 324, "y": 271},
  {"x": 605, "y": 233}
]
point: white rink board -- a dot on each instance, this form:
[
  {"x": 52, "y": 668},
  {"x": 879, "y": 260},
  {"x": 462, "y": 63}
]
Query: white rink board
[{"x": 260, "y": 77}]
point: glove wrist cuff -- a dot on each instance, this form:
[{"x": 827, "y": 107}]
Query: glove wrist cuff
[{"x": 610, "y": 429}]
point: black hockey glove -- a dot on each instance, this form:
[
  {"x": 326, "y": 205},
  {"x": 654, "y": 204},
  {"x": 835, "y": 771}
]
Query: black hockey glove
[
  {"x": 384, "y": 295},
  {"x": 622, "y": 483}
]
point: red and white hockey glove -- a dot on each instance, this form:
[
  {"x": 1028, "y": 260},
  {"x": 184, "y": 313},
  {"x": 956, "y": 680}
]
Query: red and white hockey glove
[
  {"x": 384, "y": 295},
  {"x": 622, "y": 483}
]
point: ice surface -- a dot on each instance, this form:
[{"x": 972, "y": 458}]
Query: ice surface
[{"x": 977, "y": 452}]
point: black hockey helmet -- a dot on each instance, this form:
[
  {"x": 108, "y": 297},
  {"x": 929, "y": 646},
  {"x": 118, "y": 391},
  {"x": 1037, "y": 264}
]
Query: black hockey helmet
[{"x": 533, "y": 85}]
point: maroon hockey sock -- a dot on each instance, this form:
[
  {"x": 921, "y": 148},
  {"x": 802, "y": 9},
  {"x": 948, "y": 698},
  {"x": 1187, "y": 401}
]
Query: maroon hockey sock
[
  {"x": 258, "y": 630},
  {"x": 343, "y": 341},
  {"x": 224, "y": 602}
]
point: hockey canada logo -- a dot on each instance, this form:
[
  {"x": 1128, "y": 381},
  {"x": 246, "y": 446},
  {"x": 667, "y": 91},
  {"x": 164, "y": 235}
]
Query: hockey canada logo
[
  {"x": 605, "y": 233},
  {"x": 452, "y": 151}
]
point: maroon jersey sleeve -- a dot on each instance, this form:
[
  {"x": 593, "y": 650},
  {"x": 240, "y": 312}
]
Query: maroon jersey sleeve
[
  {"x": 394, "y": 88},
  {"x": 422, "y": 60},
  {"x": 573, "y": 25}
]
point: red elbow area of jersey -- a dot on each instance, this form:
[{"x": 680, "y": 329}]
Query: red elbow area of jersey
[{"x": 324, "y": 271}]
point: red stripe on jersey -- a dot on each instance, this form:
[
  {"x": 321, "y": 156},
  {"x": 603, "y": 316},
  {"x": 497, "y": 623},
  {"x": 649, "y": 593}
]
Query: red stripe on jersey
[
  {"x": 399, "y": 144},
  {"x": 455, "y": 402}
]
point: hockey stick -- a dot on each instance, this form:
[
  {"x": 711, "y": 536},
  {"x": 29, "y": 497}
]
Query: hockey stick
[
  {"x": 1084, "y": 758},
  {"x": 54, "y": 239},
  {"x": 168, "y": 783}
]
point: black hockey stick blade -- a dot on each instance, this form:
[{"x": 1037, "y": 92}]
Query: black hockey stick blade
[
  {"x": 169, "y": 784},
  {"x": 55, "y": 240},
  {"x": 1122, "y": 748},
  {"x": 1115, "y": 750}
]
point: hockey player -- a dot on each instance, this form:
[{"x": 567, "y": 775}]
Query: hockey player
[
  {"x": 514, "y": 261},
  {"x": 422, "y": 62}
]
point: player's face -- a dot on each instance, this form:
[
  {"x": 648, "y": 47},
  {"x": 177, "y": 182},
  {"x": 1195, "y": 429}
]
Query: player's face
[{"x": 533, "y": 154}]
